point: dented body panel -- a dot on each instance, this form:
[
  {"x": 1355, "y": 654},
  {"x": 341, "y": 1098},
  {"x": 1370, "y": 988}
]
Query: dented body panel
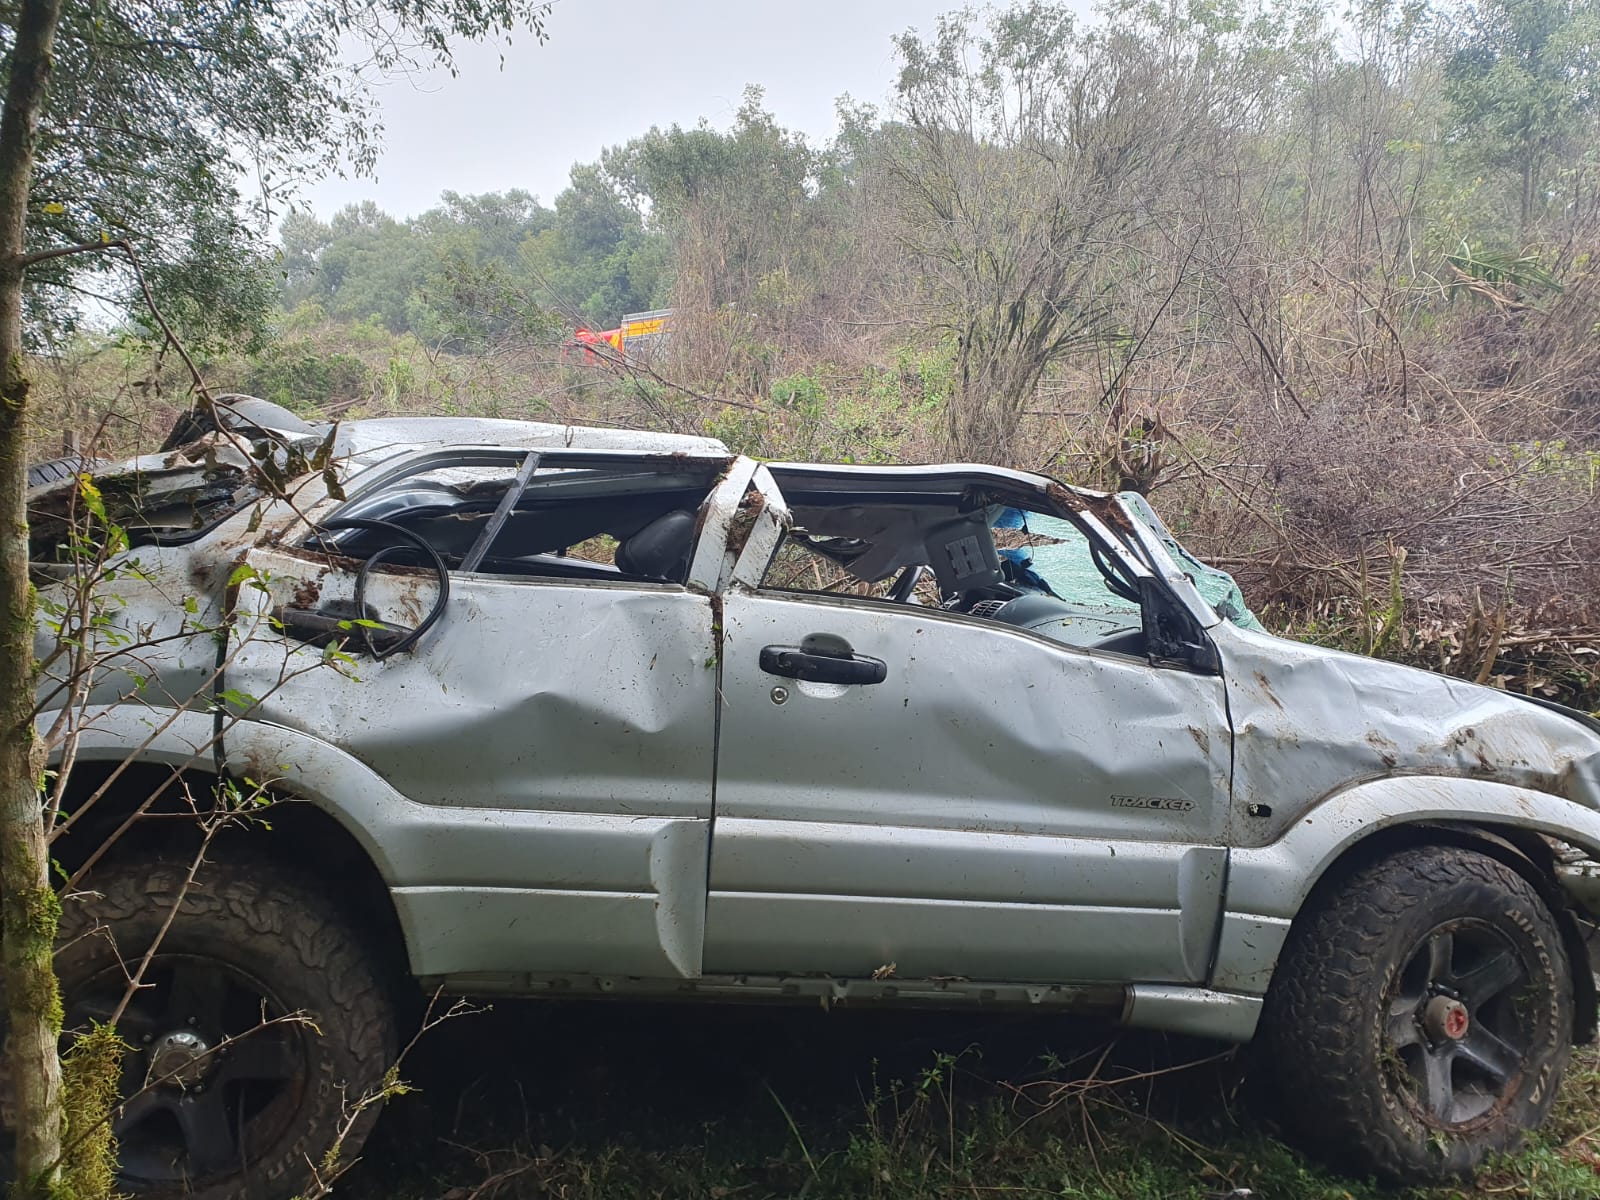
[
  {"x": 1312, "y": 722},
  {"x": 623, "y": 756},
  {"x": 1071, "y": 836},
  {"x": 589, "y": 744},
  {"x": 1333, "y": 748}
]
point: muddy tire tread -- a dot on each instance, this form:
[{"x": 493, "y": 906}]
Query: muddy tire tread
[
  {"x": 272, "y": 903},
  {"x": 1322, "y": 993}
]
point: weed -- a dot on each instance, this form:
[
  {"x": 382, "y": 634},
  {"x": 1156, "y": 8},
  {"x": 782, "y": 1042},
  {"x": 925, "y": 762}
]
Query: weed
[{"x": 654, "y": 1102}]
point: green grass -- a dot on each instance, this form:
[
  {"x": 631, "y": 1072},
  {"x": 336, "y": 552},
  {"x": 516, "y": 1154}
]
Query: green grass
[{"x": 604, "y": 1101}]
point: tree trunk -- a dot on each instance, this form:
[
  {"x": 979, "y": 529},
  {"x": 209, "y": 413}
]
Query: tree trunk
[
  {"x": 1527, "y": 194},
  {"x": 28, "y": 905}
]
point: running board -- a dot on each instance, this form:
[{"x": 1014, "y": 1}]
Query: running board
[{"x": 1172, "y": 1007}]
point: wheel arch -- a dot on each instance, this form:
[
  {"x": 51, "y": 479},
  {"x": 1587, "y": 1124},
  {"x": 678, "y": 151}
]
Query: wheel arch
[
  {"x": 318, "y": 825},
  {"x": 1270, "y": 887},
  {"x": 293, "y": 833},
  {"x": 1524, "y": 852}
]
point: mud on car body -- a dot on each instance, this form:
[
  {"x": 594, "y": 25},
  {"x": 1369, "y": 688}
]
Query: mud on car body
[{"x": 632, "y": 715}]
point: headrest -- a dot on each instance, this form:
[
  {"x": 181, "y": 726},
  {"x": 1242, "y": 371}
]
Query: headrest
[{"x": 661, "y": 549}]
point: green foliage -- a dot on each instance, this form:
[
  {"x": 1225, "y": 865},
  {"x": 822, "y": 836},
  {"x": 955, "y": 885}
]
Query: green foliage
[
  {"x": 950, "y": 1129},
  {"x": 302, "y": 379},
  {"x": 1524, "y": 270},
  {"x": 920, "y": 380},
  {"x": 449, "y": 275},
  {"x": 598, "y": 260},
  {"x": 741, "y": 206},
  {"x": 742, "y": 431},
  {"x": 158, "y": 110},
  {"x": 1521, "y": 88},
  {"x": 480, "y": 268},
  {"x": 801, "y": 394},
  {"x": 362, "y": 264}
]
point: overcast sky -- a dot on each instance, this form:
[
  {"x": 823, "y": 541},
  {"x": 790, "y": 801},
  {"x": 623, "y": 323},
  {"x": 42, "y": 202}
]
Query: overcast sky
[{"x": 612, "y": 69}]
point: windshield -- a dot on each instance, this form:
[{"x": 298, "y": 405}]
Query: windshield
[{"x": 1049, "y": 555}]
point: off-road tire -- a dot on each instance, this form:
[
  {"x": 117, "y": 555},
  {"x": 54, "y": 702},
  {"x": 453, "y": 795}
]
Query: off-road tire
[
  {"x": 258, "y": 919},
  {"x": 1342, "y": 988},
  {"x": 57, "y": 470}
]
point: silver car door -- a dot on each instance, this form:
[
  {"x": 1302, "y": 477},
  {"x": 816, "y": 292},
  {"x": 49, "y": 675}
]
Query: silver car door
[
  {"x": 996, "y": 806},
  {"x": 552, "y": 731}
]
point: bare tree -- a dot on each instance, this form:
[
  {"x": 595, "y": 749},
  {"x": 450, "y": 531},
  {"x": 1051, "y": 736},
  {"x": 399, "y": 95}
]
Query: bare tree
[{"x": 1034, "y": 166}]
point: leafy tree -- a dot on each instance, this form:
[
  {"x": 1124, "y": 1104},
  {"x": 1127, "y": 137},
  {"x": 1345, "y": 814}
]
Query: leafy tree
[
  {"x": 598, "y": 259},
  {"x": 1523, "y": 88},
  {"x": 469, "y": 289},
  {"x": 132, "y": 120},
  {"x": 487, "y": 227},
  {"x": 363, "y": 263},
  {"x": 738, "y": 204},
  {"x": 411, "y": 275}
]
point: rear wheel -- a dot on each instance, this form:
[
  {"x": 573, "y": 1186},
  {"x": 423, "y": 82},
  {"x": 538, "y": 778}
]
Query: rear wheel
[
  {"x": 262, "y": 1023},
  {"x": 1421, "y": 1015}
]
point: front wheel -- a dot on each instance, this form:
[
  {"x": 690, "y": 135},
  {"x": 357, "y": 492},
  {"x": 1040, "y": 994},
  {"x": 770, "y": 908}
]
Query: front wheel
[
  {"x": 261, "y": 1024},
  {"x": 1421, "y": 1015}
]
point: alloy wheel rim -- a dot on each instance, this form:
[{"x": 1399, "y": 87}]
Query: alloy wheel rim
[
  {"x": 1452, "y": 1020},
  {"x": 213, "y": 1073}
]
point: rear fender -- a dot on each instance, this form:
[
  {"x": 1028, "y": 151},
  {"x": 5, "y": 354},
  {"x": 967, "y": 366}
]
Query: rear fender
[
  {"x": 477, "y": 890},
  {"x": 285, "y": 761}
]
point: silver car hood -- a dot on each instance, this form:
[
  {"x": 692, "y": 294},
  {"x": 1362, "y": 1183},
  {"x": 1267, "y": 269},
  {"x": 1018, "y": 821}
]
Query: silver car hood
[{"x": 1309, "y": 722}]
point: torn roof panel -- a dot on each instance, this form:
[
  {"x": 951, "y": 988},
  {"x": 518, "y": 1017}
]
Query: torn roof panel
[
  {"x": 950, "y": 479},
  {"x": 371, "y": 441}
]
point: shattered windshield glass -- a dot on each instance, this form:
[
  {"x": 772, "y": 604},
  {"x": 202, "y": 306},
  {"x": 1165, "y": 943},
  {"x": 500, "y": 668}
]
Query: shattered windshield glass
[{"x": 1048, "y": 554}]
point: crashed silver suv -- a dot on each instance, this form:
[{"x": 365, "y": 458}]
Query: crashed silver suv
[{"x": 567, "y": 712}]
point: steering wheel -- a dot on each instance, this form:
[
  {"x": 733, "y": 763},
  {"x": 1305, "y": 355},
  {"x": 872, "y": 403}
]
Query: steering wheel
[
  {"x": 430, "y": 557},
  {"x": 906, "y": 583}
]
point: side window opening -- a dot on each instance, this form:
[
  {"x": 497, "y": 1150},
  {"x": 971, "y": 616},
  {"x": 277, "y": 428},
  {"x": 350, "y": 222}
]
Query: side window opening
[
  {"x": 605, "y": 520},
  {"x": 158, "y": 506},
  {"x": 1028, "y": 569},
  {"x": 1068, "y": 589}
]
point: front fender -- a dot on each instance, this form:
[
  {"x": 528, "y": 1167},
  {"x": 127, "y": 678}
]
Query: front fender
[{"x": 1268, "y": 885}]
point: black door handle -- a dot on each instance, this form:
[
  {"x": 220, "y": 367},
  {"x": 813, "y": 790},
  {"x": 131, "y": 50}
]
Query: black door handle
[{"x": 823, "y": 658}]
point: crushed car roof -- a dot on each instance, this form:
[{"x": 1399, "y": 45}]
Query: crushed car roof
[{"x": 368, "y": 441}]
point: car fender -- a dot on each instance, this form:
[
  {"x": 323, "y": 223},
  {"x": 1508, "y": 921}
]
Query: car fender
[
  {"x": 297, "y": 764},
  {"x": 448, "y": 861},
  {"x": 1268, "y": 885}
]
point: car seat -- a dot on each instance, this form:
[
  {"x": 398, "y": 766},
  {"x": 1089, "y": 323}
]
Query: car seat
[{"x": 660, "y": 549}]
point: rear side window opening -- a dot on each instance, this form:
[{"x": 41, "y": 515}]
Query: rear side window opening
[
  {"x": 156, "y": 507},
  {"x": 579, "y": 517}
]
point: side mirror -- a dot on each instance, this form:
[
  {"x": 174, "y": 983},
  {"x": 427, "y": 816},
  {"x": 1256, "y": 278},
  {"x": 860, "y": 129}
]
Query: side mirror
[{"x": 1170, "y": 633}]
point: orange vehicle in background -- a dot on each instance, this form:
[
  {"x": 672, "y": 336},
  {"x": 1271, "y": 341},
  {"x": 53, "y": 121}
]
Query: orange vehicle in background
[{"x": 637, "y": 337}]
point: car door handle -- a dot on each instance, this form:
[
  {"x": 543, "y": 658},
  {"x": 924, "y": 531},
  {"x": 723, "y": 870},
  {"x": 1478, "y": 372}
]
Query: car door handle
[{"x": 823, "y": 658}]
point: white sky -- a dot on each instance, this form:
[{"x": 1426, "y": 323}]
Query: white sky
[{"x": 612, "y": 69}]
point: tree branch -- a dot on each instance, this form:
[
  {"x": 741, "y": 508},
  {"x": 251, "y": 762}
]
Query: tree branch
[
  {"x": 24, "y": 261},
  {"x": 166, "y": 330}
]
